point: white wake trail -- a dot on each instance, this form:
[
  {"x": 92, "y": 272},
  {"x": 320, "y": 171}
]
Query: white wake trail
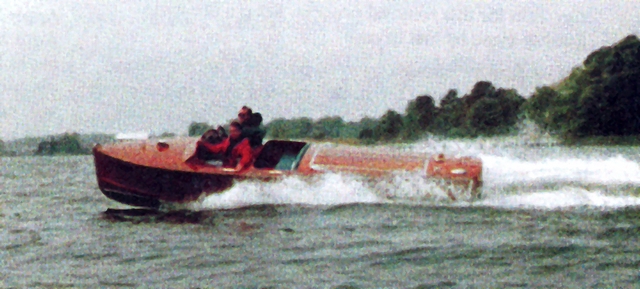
[
  {"x": 552, "y": 181},
  {"x": 606, "y": 171},
  {"x": 561, "y": 199},
  {"x": 328, "y": 189}
]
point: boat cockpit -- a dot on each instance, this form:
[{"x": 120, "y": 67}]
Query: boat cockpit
[
  {"x": 281, "y": 155},
  {"x": 275, "y": 155}
]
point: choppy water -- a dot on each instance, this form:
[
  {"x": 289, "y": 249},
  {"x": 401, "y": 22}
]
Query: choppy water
[{"x": 551, "y": 217}]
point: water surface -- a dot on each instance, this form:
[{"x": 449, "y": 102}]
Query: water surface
[{"x": 551, "y": 217}]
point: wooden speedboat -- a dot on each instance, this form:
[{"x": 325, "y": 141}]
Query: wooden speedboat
[{"x": 147, "y": 173}]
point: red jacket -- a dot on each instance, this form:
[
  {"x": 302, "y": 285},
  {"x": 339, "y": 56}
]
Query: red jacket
[{"x": 241, "y": 151}]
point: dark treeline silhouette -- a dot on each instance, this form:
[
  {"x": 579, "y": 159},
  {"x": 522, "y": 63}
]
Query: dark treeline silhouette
[
  {"x": 167, "y": 134},
  {"x": 325, "y": 128},
  {"x": 65, "y": 144},
  {"x": 600, "y": 98},
  {"x": 484, "y": 111},
  {"x": 68, "y": 144}
]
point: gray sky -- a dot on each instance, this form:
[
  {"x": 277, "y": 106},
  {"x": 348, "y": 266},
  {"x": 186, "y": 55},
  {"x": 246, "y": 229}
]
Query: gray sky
[{"x": 156, "y": 65}]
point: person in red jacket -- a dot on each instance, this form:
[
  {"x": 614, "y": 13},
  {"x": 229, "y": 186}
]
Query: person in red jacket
[{"x": 237, "y": 151}]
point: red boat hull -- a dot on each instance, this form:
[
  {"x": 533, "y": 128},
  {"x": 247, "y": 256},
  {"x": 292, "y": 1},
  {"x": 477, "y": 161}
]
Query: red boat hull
[
  {"x": 148, "y": 173},
  {"x": 144, "y": 186}
]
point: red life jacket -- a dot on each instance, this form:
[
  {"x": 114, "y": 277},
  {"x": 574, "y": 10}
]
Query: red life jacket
[{"x": 240, "y": 153}]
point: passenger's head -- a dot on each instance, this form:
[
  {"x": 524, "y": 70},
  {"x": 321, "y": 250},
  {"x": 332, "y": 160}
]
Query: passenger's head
[
  {"x": 235, "y": 130},
  {"x": 214, "y": 136},
  {"x": 254, "y": 121},
  {"x": 244, "y": 114}
]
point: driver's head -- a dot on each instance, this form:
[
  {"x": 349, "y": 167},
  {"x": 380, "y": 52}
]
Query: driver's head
[
  {"x": 235, "y": 130},
  {"x": 244, "y": 114}
]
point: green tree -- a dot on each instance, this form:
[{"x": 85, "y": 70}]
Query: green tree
[
  {"x": 296, "y": 128},
  {"x": 351, "y": 130},
  {"x": 64, "y": 144},
  {"x": 168, "y": 135},
  {"x": 327, "y": 127},
  {"x": 485, "y": 116},
  {"x": 368, "y": 122},
  {"x": 600, "y": 98},
  {"x": 366, "y": 134},
  {"x": 450, "y": 117},
  {"x": 301, "y": 127},
  {"x": 277, "y": 128},
  {"x": 389, "y": 126},
  {"x": 366, "y": 127},
  {"x": 510, "y": 106},
  {"x": 536, "y": 107},
  {"x": 482, "y": 89},
  {"x": 419, "y": 115},
  {"x": 198, "y": 128}
]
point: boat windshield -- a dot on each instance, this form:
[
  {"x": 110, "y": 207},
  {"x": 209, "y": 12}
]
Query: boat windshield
[{"x": 281, "y": 155}]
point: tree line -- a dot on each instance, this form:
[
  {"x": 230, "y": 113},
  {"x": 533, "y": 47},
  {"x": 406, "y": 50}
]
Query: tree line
[
  {"x": 65, "y": 144},
  {"x": 600, "y": 98},
  {"x": 484, "y": 111}
]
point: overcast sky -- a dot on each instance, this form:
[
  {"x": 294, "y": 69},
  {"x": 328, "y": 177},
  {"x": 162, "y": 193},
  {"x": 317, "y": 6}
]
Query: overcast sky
[{"x": 156, "y": 65}]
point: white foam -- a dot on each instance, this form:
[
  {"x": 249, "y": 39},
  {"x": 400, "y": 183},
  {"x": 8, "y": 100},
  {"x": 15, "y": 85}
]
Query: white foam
[
  {"x": 563, "y": 198},
  {"x": 415, "y": 187},
  {"x": 500, "y": 173},
  {"x": 331, "y": 189},
  {"x": 614, "y": 170},
  {"x": 328, "y": 189}
]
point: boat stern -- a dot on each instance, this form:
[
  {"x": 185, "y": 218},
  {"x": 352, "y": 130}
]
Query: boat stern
[{"x": 459, "y": 174}]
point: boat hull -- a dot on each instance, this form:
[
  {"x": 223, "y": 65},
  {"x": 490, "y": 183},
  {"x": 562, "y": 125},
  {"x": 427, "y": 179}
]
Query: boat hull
[
  {"x": 149, "y": 173},
  {"x": 139, "y": 185}
]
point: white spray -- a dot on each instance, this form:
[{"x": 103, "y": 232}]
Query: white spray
[{"x": 569, "y": 178}]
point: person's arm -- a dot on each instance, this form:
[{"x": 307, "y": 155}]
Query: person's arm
[
  {"x": 244, "y": 150},
  {"x": 214, "y": 148}
]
